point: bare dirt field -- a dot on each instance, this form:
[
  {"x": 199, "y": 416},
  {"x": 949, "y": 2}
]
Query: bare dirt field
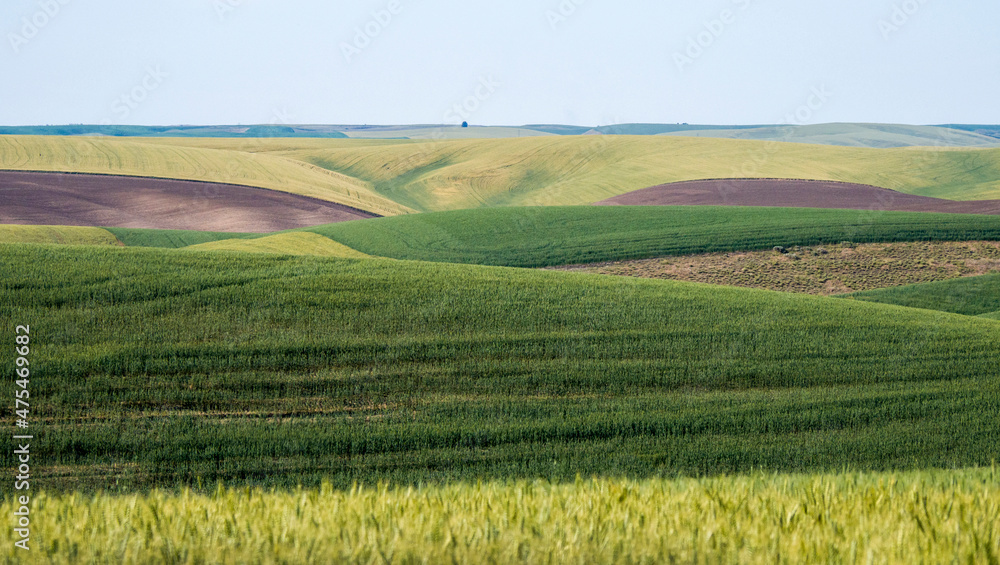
[
  {"x": 830, "y": 269},
  {"x": 795, "y": 194},
  {"x": 136, "y": 202}
]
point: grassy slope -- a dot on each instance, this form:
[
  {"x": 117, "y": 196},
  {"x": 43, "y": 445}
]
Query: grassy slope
[
  {"x": 547, "y": 236},
  {"x": 972, "y": 296},
  {"x": 160, "y": 367},
  {"x": 149, "y": 158},
  {"x": 855, "y": 135},
  {"x": 299, "y": 243},
  {"x": 72, "y": 235},
  {"x": 562, "y": 170}
]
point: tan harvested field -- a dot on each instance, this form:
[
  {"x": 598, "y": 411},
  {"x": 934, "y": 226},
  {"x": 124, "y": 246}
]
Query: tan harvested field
[
  {"x": 795, "y": 194},
  {"x": 137, "y": 202},
  {"x": 831, "y": 269}
]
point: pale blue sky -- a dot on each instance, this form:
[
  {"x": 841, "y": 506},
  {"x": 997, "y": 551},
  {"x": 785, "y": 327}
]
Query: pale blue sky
[{"x": 588, "y": 62}]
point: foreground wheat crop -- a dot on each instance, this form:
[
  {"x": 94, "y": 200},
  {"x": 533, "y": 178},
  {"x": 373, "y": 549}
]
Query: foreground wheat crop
[{"x": 918, "y": 517}]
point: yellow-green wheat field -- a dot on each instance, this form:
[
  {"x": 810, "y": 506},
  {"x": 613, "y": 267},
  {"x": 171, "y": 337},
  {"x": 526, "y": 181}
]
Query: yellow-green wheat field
[
  {"x": 67, "y": 235},
  {"x": 393, "y": 177},
  {"x": 296, "y": 243},
  {"x": 912, "y": 517}
]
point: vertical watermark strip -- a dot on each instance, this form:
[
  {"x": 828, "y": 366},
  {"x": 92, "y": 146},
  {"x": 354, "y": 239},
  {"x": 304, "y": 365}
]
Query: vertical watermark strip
[{"x": 22, "y": 519}]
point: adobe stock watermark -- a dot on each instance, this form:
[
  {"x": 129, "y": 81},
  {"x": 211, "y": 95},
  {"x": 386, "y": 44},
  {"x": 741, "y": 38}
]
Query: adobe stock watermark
[
  {"x": 700, "y": 42},
  {"x": 127, "y": 102},
  {"x": 366, "y": 34},
  {"x": 901, "y": 14},
  {"x": 563, "y": 12},
  {"x": 223, "y": 8},
  {"x": 462, "y": 111},
  {"x": 817, "y": 98},
  {"x": 48, "y": 10}
]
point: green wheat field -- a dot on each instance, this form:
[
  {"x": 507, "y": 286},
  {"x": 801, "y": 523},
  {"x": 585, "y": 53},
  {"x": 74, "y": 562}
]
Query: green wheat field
[{"x": 416, "y": 389}]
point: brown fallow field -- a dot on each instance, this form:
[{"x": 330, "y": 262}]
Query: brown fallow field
[
  {"x": 795, "y": 194},
  {"x": 70, "y": 199}
]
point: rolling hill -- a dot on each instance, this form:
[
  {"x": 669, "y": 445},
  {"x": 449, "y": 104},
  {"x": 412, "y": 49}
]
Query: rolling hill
[
  {"x": 795, "y": 194},
  {"x": 850, "y": 134},
  {"x": 67, "y": 235},
  {"x": 446, "y": 175},
  {"x": 165, "y": 368},
  {"x": 299, "y": 243},
  {"x": 854, "y": 135},
  {"x": 295, "y": 362},
  {"x": 970, "y": 296},
  {"x": 177, "y": 131},
  {"x": 390, "y": 177},
  {"x": 440, "y": 132},
  {"x": 553, "y": 235},
  {"x": 130, "y": 157},
  {"x": 78, "y": 199}
]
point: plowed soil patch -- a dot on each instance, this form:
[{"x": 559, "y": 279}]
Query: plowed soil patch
[
  {"x": 832, "y": 269},
  {"x": 795, "y": 194},
  {"x": 136, "y": 202}
]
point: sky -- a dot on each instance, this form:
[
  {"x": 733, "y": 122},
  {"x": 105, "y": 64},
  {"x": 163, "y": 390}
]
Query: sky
[{"x": 582, "y": 62}]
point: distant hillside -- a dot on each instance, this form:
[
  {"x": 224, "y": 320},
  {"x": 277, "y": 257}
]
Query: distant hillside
[
  {"x": 252, "y": 131},
  {"x": 146, "y": 157},
  {"x": 844, "y": 134},
  {"x": 854, "y": 135},
  {"x": 987, "y": 130},
  {"x": 439, "y": 132},
  {"x": 631, "y": 129}
]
